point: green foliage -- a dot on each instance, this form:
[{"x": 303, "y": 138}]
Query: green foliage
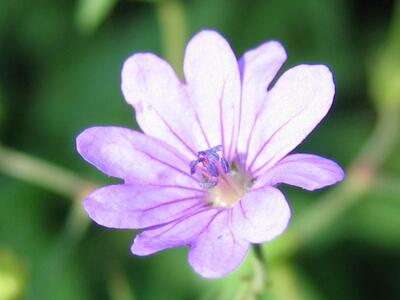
[
  {"x": 1, "y": 107},
  {"x": 385, "y": 67},
  {"x": 91, "y": 13},
  {"x": 56, "y": 81},
  {"x": 11, "y": 276}
]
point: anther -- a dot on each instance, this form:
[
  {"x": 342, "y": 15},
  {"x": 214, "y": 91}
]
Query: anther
[{"x": 211, "y": 165}]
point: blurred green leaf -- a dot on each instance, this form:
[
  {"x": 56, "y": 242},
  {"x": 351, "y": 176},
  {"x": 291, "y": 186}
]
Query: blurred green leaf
[
  {"x": 384, "y": 72},
  {"x": 119, "y": 288},
  {"x": 384, "y": 67},
  {"x": 312, "y": 31},
  {"x": 91, "y": 13},
  {"x": 288, "y": 282},
  {"x": 23, "y": 219},
  {"x": 30, "y": 224},
  {"x": 82, "y": 89},
  {"x": 8, "y": 10},
  {"x": 12, "y": 276},
  {"x": 174, "y": 27},
  {"x": 376, "y": 220},
  {"x": 1, "y": 107}
]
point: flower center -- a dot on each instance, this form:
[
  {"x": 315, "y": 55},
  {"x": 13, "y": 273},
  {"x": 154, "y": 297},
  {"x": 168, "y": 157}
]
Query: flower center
[{"x": 226, "y": 184}]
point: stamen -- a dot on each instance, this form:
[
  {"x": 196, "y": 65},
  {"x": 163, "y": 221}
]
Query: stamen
[
  {"x": 226, "y": 184},
  {"x": 212, "y": 169},
  {"x": 225, "y": 165},
  {"x": 192, "y": 166},
  {"x": 212, "y": 164}
]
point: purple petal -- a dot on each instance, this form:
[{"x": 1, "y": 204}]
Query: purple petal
[
  {"x": 257, "y": 67},
  {"x": 182, "y": 232},
  {"x": 163, "y": 108},
  {"x": 134, "y": 157},
  {"x": 294, "y": 106},
  {"x": 132, "y": 207},
  {"x": 307, "y": 171},
  {"x": 217, "y": 251},
  {"x": 261, "y": 215},
  {"x": 213, "y": 79}
]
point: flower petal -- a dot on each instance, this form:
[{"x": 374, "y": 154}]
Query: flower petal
[
  {"x": 181, "y": 232},
  {"x": 257, "y": 68},
  {"x": 307, "y": 171},
  {"x": 134, "y": 157},
  {"x": 294, "y": 106},
  {"x": 261, "y": 215},
  {"x": 132, "y": 207},
  {"x": 213, "y": 79},
  {"x": 163, "y": 110},
  {"x": 217, "y": 251}
]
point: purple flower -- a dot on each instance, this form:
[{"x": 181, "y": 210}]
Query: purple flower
[{"x": 205, "y": 173}]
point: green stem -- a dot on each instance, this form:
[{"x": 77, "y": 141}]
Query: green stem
[
  {"x": 61, "y": 253},
  {"x": 259, "y": 253},
  {"x": 288, "y": 284},
  {"x": 387, "y": 185},
  {"x": 173, "y": 25},
  {"x": 382, "y": 140},
  {"x": 39, "y": 172},
  {"x": 259, "y": 276},
  {"x": 118, "y": 284}
]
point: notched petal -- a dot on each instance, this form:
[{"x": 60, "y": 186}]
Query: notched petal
[
  {"x": 217, "y": 251},
  {"x": 179, "y": 233},
  {"x": 262, "y": 215},
  {"x": 133, "y": 156},
  {"x": 137, "y": 206},
  {"x": 213, "y": 80},
  {"x": 299, "y": 100},
  {"x": 307, "y": 171}
]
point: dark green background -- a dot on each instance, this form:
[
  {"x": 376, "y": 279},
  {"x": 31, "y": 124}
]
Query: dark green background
[{"x": 56, "y": 80}]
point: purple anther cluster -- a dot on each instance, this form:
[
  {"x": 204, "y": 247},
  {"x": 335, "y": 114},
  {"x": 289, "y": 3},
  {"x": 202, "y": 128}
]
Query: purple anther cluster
[{"x": 212, "y": 163}]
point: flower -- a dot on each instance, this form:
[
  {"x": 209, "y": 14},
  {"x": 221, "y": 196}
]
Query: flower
[{"x": 205, "y": 173}]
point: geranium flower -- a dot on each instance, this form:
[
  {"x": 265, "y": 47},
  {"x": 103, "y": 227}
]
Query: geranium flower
[{"x": 205, "y": 172}]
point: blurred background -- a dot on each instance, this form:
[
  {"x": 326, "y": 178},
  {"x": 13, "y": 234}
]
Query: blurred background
[{"x": 60, "y": 64}]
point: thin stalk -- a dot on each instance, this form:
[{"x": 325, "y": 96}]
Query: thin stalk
[
  {"x": 118, "y": 284},
  {"x": 386, "y": 185},
  {"x": 260, "y": 274},
  {"x": 41, "y": 173},
  {"x": 382, "y": 140},
  {"x": 173, "y": 25}
]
